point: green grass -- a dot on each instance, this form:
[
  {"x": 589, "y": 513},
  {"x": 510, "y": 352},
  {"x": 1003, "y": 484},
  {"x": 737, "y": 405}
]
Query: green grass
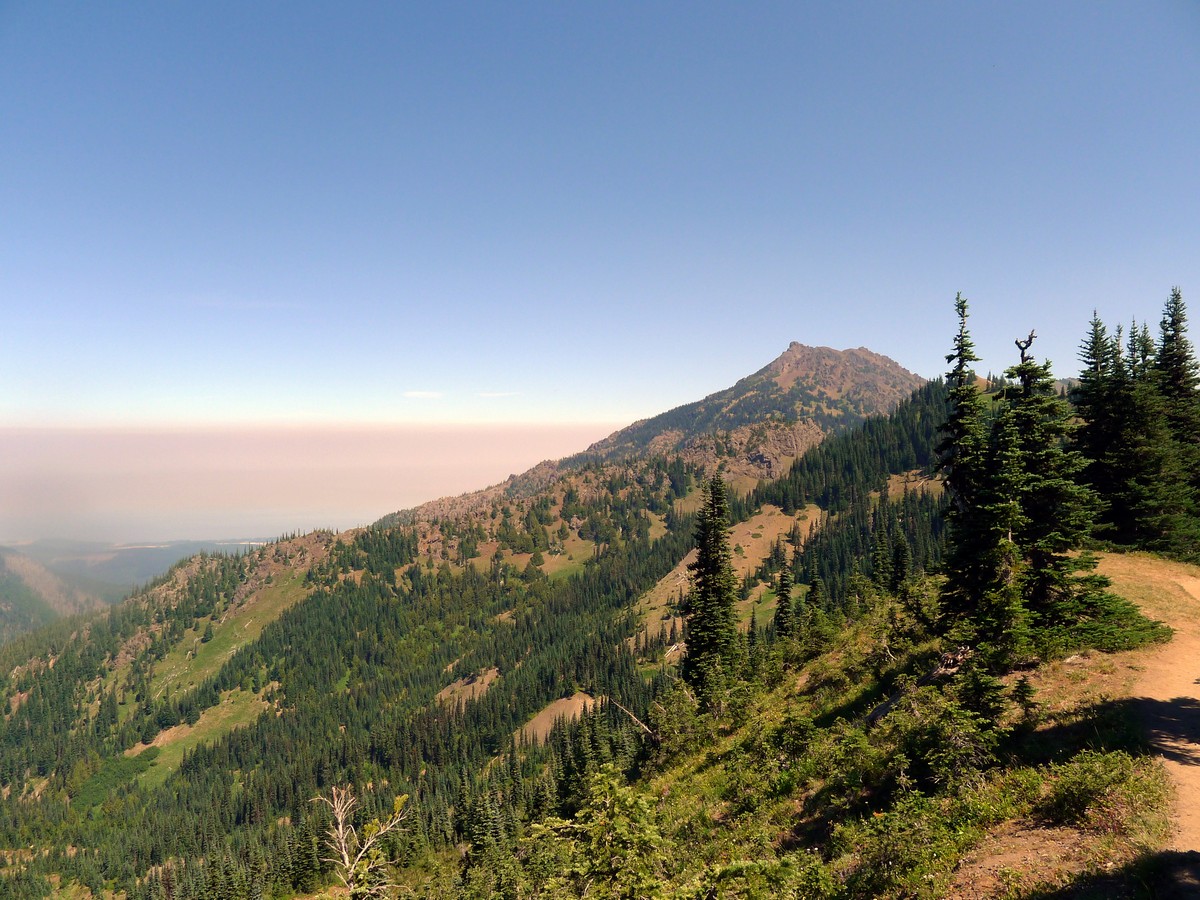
[
  {"x": 116, "y": 771},
  {"x": 237, "y": 708},
  {"x": 175, "y": 671},
  {"x": 762, "y": 608},
  {"x": 771, "y": 802}
]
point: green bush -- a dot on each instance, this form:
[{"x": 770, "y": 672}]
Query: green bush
[{"x": 1107, "y": 792}]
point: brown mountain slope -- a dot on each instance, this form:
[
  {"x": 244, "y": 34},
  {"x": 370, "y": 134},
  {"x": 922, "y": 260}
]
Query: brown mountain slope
[
  {"x": 826, "y": 389},
  {"x": 753, "y": 430}
]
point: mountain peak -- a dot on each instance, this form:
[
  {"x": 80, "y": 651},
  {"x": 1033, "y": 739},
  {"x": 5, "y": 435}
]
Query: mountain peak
[
  {"x": 804, "y": 394},
  {"x": 842, "y": 371}
]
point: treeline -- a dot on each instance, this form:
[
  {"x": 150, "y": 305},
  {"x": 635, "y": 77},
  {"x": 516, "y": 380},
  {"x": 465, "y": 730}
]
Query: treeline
[
  {"x": 865, "y": 532},
  {"x": 846, "y": 467},
  {"x": 350, "y": 676},
  {"x": 1139, "y": 399},
  {"x": 1021, "y": 506}
]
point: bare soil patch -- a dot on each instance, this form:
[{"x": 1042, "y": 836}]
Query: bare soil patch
[
  {"x": 469, "y": 687},
  {"x": 1018, "y": 857},
  {"x": 1161, "y": 682},
  {"x": 755, "y": 537},
  {"x": 538, "y": 728},
  {"x": 913, "y": 481}
]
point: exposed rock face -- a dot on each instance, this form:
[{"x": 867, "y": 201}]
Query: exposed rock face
[
  {"x": 875, "y": 383},
  {"x": 764, "y": 451}
]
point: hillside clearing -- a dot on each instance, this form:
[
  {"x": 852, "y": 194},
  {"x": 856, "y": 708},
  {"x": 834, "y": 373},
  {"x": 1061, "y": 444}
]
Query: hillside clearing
[
  {"x": 469, "y": 687},
  {"x": 755, "y": 537},
  {"x": 197, "y": 660},
  {"x": 237, "y": 707},
  {"x": 537, "y": 729}
]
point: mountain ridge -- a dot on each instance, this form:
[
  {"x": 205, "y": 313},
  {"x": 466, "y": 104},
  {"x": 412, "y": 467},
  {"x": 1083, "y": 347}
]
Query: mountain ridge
[
  {"x": 176, "y": 741},
  {"x": 752, "y": 430}
]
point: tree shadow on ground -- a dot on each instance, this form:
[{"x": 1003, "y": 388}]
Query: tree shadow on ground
[
  {"x": 1172, "y": 727},
  {"x": 1137, "y": 725},
  {"x": 1167, "y": 875}
]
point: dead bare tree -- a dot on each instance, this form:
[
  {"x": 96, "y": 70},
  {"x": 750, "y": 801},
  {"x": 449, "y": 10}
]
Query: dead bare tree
[
  {"x": 362, "y": 865},
  {"x": 1024, "y": 346}
]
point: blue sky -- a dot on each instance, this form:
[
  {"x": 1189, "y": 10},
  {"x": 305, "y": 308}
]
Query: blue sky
[{"x": 233, "y": 214}]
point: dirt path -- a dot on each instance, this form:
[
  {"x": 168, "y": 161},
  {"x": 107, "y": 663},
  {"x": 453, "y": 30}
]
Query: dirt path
[{"x": 1168, "y": 689}]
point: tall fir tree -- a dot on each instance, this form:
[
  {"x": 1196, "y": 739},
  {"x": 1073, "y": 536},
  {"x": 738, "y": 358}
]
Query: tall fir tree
[
  {"x": 712, "y": 638},
  {"x": 785, "y": 621},
  {"x": 1137, "y": 402},
  {"x": 1017, "y": 516},
  {"x": 961, "y": 460},
  {"x": 1178, "y": 377},
  {"x": 1178, "y": 372},
  {"x": 1057, "y": 510},
  {"x": 1093, "y": 398}
]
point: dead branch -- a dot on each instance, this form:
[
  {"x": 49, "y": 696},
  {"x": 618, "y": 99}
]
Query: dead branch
[
  {"x": 947, "y": 667},
  {"x": 646, "y": 728},
  {"x": 1025, "y": 345},
  {"x": 356, "y": 856}
]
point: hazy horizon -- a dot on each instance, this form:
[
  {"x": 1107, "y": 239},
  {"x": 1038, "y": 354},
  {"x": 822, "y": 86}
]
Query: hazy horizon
[
  {"x": 158, "y": 484},
  {"x": 429, "y": 215}
]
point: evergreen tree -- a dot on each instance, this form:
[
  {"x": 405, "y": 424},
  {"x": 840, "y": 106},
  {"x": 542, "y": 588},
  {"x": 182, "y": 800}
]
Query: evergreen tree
[
  {"x": 1057, "y": 510},
  {"x": 1178, "y": 378},
  {"x": 964, "y": 440},
  {"x": 1147, "y": 494},
  {"x": 1138, "y": 432},
  {"x": 711, "y": 626},
  {"x": 1015, "y": 579},
  {"x": 962, "y": 462},
  {"x": 1093, "y": 396},
  {"x": 784, "y": 616},
  {"x": 902, "y": 562}
]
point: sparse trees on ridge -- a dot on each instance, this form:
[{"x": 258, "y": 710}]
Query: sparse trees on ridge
[{"x": 1018, "y": 509}]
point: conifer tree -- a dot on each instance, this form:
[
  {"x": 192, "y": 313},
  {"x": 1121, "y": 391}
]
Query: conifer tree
[
  {"x": 902, "y": 561},
  {"x": 961, "y": 460},
  {"x": 1177, "y": 373},
  {"x": 711, "y": 627},
  {"x": 784, "y": 616},
  {"x": 1016, "y": 515},
  {"x": 1057, "y": 509},
  {"x": 1093, "y": 397},
  {"x": 1139, "y": 430},
  {"x": 964, "y": 440}
]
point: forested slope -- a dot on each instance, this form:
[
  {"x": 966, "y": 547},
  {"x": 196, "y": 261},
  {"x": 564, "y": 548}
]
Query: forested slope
[{"x": 835, "y": 719}]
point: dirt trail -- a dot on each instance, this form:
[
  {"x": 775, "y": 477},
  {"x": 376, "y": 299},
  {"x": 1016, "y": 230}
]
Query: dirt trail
[{"x": 1168, "y": 689}]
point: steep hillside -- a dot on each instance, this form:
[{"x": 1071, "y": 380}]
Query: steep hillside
[
  {"x": 21, "y": 608},
  {"x": 46, "y": 580},
  {"x": 61, "y": 596},
  {"x": 509, "y": 662},
  {"x": 31, "y": 595},
  {"x": 214, "y": 705}
]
